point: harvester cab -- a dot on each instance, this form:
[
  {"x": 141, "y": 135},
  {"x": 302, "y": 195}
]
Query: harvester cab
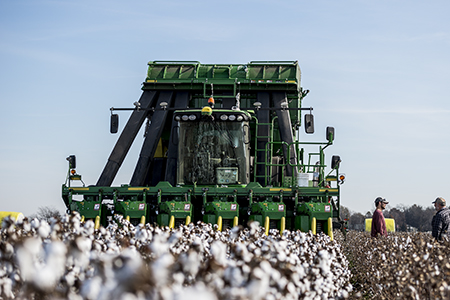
[
  {"x": 221, "y": 146},
  {"x": 213, "y": 147}
]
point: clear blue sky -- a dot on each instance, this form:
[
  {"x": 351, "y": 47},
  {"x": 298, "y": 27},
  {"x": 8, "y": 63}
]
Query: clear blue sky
[{"x": 378, "y": 72}]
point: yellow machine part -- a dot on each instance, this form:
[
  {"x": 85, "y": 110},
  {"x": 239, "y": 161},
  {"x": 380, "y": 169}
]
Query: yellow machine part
[
  {"x": 330, "y": 228},
  {"x": 97, "y": 222},
  {"x": 266, "y": 225},
  {"x": 219, "y": 223},
  {"x": 390, "y": 225},
  {"x": 172, "y": 222},
  {"x": 18, "y": 216},
  {"x": 160, "y": 150},
  {"x": 313, "y": 225}
]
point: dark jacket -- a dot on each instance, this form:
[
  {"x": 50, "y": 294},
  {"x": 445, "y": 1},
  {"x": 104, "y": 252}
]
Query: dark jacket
[{"x": 440, "y": 223}]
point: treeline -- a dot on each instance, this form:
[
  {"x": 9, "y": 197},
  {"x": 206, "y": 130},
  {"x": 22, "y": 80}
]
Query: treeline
[{"x": 412, "y": 218}]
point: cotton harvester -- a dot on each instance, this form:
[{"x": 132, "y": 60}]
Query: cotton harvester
[{"x": 221, "y": 146}]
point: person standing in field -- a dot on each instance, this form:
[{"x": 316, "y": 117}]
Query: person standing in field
[
  {"x": 441, "y": 219},
  {"x": 378, "y": 222}
]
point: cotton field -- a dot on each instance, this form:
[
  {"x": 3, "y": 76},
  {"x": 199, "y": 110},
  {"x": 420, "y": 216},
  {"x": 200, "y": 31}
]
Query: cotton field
[
  {"x": 69, "y": 259},
  {"x": 401, "y": 266}
]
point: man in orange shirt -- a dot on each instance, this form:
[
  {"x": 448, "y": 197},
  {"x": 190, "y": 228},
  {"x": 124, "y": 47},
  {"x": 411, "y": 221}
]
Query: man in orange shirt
[{"x": 378, "y": 222}]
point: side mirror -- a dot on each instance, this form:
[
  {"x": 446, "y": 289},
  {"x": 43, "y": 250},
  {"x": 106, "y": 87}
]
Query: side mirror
[
  {"x": 72, "y": 161},
  {"x": 309, "y": 123},
  {"x": 330, "y": 134},
  {"x": 114, "y": 123},
  {"x": 335, "y": 160}
]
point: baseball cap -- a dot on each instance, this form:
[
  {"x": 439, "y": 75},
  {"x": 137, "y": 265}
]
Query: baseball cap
[
  {"x": 439, "y": 200},
  {"x": 379, "y": 199}
]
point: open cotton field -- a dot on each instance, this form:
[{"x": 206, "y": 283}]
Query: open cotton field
[
  {"x": 401, "y": 266},
  {"x": 69, "y": 259}
]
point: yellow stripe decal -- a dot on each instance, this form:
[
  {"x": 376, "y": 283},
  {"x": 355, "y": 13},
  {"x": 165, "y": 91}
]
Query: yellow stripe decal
[
  {"x": 280, "y": 189},
  {"x": 329, "y": 190},
  {"x": 137, "y": 189},
  {"x": 80, "y": 189}
]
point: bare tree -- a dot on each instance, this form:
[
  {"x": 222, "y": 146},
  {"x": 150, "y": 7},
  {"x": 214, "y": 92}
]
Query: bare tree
[{"x": 46, "y": 213}]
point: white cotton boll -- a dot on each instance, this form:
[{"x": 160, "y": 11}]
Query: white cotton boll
[
  {"x": 6, "y": 285},
  {"x": 197, "y": 292},
  {"x": 44, "y": 229},
  {"x": 127, "y": 266},
  {"x": 324, "y": 263},
  {"x": 46, "y": 277},
  {"x": 81, "y": 254},
  {"x": 70, "y": 278},
  {"x": 281, "y": 283},
  {"x": 161, "y": 269},
  {"x": 91, "y": 288},
  {"x": 27, "y": 257},
  {"x": 190, "y": 263},
  {"x": 174, "y": 237},
  {"x": 234, "y": 277},
  {"x": 84, "y": 244},
  {"x": 26, "y": 226},
  {"x": 7, "y": 250},
  {"x": 266, "y": 267},
  {"x": 258, "y": 273},
  {"x": 178, "y": 278},
  {"x": 35, "y": 223},
  {"x": 257, "y": 289},
  {"x": 159, "y": 245},
  {"x": 89, "y": 228},
  {"x": 234, "y": 233},
  {"x": 275, "y": 275},
  {"x": 219, "y": 253},
  {"x": 141, "y": 233}
]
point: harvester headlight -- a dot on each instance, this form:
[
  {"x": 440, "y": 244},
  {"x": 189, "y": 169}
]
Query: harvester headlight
[
  {"x": 177, "y": 118},
  {"x": 185, "y": 118},
  {"x": 192, "y": 117},
  {"x": 224, "y": 117},
  {"x": 240, "y": 118},
  {"x": 232, "y": 117}
]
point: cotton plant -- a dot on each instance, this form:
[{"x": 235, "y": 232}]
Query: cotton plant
[{"x": 71, "y": 259}]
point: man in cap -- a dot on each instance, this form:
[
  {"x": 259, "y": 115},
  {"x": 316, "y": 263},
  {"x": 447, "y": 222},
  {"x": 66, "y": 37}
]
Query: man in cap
[
  {"x": 441, "y": 219},
  {"x": 378, "y": 222}
]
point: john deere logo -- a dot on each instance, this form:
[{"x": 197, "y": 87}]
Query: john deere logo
[
  {"x": 280, "y": 207},
  {"x": 141, "y": 206},
  {"x": 233, "y": 206},
  {"x": 187, "y": 207}
]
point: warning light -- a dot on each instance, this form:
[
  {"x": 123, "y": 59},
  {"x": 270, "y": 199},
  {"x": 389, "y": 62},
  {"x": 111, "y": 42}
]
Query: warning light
[
  {"x": 341, "y": 178},
  {"x": 211, "y": 101},
  {"x": 206, "y": 111},
  {"x": 73, "y": 171}
]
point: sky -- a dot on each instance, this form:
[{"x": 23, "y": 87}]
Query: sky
[{"x": 377, "y": 71}]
